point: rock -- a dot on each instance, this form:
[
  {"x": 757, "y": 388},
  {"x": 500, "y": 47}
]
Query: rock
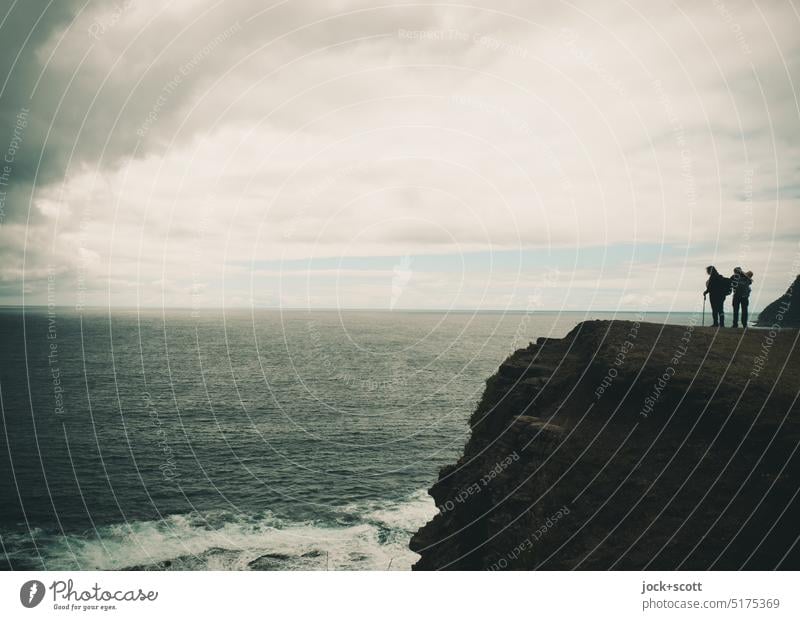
[
  {"x": 784, "y": 311},
  {"x": 646, "y": 447}
]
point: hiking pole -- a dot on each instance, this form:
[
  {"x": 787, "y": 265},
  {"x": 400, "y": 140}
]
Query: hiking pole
[{"x": 703, "y": 324}]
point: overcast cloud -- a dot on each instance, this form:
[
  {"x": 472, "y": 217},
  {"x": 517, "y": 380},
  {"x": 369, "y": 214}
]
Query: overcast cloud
[{"x": 341, "y": 153}]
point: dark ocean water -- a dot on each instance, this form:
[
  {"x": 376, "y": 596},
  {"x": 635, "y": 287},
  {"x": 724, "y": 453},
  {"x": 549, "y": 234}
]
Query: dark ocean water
[{"x": 269, "y": 440}]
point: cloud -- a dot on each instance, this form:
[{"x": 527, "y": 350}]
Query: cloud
[{"x": 182, "y": 143}]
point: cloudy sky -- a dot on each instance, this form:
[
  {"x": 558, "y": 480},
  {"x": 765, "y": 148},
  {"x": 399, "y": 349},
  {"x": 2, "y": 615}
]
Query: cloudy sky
[{"x": 344, "y": 153}]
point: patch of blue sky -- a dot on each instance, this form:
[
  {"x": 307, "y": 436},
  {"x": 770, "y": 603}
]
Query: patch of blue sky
[{"x": 527, "y": 259}]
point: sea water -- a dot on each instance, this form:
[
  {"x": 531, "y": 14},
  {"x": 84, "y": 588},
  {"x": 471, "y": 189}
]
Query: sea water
[{"x": 237, "y": 439}]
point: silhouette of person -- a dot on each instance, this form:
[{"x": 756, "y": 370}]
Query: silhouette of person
[
  {"x": 717, "y": 288},
  {"x": 740, "y": 283}
]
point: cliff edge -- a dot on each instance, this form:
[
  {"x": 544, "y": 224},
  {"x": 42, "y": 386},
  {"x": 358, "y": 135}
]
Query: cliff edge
[{"x": 628, "y": 445}]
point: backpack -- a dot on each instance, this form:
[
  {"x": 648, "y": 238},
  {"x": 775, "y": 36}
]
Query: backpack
[
  {"x": 742, "y": 288},
  {"x": 725, "y": 286}
]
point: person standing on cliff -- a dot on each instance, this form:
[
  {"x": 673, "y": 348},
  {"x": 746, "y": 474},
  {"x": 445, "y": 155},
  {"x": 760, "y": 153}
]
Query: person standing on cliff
[
  {"x": 740, "y": 283},
  {"x": 717, "y": 288}
]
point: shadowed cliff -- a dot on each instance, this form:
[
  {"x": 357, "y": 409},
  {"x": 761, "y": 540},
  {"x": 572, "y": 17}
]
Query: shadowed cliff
[
  {"x": 784, "y": 311},
  {"x": 628, "y": 445}
]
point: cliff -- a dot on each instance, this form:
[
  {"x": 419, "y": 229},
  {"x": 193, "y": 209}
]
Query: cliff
[
  {"x": 628, "y": 445},
  {"x": 784, "y": 311}
]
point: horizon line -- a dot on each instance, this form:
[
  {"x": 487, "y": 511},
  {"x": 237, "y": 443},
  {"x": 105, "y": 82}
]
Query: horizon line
[{"x": 333, "y": 308}]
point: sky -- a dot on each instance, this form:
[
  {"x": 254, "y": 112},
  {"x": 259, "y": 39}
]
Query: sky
[{"x": 349, "y": 154}]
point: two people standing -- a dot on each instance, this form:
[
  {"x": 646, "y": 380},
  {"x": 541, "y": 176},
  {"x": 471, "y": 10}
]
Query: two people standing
[{"x": 718, "y": 287}]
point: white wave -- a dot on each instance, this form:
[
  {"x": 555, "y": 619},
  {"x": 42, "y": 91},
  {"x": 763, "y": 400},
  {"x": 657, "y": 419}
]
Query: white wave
[
  {"x": 408, "y": 516},
  {"x": 223, "y": 541}
]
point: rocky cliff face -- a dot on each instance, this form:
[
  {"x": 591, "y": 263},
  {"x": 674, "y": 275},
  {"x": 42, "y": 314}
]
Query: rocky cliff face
[
  {"x": 784, "y": 311},
  {"x": 628, "y": 445}
]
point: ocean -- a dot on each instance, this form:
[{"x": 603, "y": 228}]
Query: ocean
[{"x": 266, "y": 439}]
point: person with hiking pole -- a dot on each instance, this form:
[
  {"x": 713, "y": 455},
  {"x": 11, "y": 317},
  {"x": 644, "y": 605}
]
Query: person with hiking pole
[{"x": 717, "y": 288}]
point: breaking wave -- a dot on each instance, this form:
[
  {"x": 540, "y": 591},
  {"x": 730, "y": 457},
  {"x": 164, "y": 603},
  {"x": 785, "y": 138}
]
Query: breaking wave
[{"x": 367, "y": 536}]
